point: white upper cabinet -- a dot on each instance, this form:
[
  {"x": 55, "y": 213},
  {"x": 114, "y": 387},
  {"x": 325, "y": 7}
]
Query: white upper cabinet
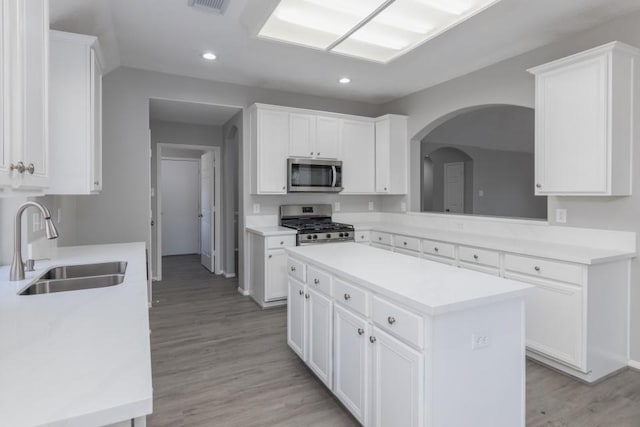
[
  {"x": 327, "y": 138},
  {"x": 357, "y": 142},
  {"x": 75, "y": 105},
  {"x": 269, "y": 150},
  {"x": 391, "y": 154},
  {"x": 302, "y": 135},
  {"x": 584, "y": 122},
  {"x": 24, "y": 47}
]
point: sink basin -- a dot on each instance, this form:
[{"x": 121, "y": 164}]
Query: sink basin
[
  {"x": 84, "y": 270},
  {"x": 78, "y": 277}
]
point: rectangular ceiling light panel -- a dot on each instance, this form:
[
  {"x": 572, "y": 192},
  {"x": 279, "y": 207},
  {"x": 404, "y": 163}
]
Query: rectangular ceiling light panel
[{"x": 376, "y": 30}]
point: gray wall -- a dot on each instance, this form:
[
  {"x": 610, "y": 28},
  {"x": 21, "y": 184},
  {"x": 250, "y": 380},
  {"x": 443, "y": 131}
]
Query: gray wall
[
  {"x": 509, "y": 83},
  {"x": 433, "y": 187},
  {"x": 232, "y": 134}
]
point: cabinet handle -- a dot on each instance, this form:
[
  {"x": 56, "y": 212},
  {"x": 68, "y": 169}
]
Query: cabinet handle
[
  {"x": 538, "y": 186},
  {"x": 385, "y": 188},
  {"x": 372, "y": 339},
  {"x": 360, "y": 331},
  {"x": 18, "y": 167},
  {"x": 284, "y": 188},
  {"x": 293, "y": 268},
  {"x": 270, "y": 256},
  {"x": 281, "y": 242},
  {"x": 31, "y": 168},
  {"x": 436, "y": 249},
  {"x": 347, "y": 297},
  {"x": 405, "y": 243},
  {"x": 316, "y": 281},
  {"x": 311, "y": 153},
  {"x": 475, "y": 257},
  {"x": 391, "y": 320},
  {"x": 536, "y": 268},
  {"x": 379, "y": 238},
  {"x": 317, "y": 154},
  {"x": 362, "y": 237},
  {"x": 306, "y": 296},
  {"x": 301, "y": 292},
  {"x": 96, "y": 183}
]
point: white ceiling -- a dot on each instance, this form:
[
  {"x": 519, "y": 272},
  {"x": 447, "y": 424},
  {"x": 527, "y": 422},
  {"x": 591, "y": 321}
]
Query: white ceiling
[
  {"x": 169, "y": 36},
  {"x": 190, "y": 112}
]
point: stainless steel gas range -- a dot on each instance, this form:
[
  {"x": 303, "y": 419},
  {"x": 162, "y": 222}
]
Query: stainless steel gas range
[{"x": 314, "y": 224}]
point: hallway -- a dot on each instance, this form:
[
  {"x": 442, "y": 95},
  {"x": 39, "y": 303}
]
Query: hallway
[{"x": 218, "y": 360}]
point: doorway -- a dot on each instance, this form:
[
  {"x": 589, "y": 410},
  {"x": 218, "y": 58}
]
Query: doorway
[{"x": 454, "y": 187}]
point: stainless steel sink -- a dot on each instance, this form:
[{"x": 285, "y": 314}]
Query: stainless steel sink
[{"x": 78, "y": 277}]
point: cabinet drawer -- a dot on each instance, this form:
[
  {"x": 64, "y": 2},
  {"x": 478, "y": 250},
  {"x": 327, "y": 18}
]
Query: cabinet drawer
[
  {"x": 479, "y": 256},
  {"x": 548, "y": 269},
  {"x": 280, "y": 241},
  {"x": 296, "y": 269},
  {"x": 351, "y": 296},
  {"x": 438, "y": 248},
  {"x": 381, "y": 238},
  {"x": 398, "y": 321},
  {"x": 362, "y": 236},
  {"x": 319, "y": 280},
  {"x": 404, "y": 242}
]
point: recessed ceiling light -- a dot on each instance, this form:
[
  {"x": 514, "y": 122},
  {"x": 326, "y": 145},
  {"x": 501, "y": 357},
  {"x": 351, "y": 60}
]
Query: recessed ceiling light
[
  {"x": 344, "y": 80},
  {"x": 209, "y": 56}
]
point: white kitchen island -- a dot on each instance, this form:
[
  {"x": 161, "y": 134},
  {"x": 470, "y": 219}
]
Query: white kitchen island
[
  {"x": 78, "y": 358},
  {"x": 403, "y": 341}
]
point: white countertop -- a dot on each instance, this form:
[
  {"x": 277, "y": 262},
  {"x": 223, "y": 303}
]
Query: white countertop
[
  {"x": 273, "y": 230},
  {"x": 577, "y": 254},
  {"x": 79, "y": 358},
  {"x": 429, "y": 287}
]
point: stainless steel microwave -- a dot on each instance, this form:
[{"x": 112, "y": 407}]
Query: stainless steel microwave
[{"x": 314, "y": 176}]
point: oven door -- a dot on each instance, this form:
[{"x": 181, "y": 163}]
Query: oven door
[{"x": 314, "y": 176}]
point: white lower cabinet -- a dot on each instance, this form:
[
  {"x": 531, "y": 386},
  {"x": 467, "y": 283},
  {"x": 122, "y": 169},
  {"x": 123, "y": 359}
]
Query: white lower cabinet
[
  {"x": 319, "y": 319},
  {"x": 397, "y": 382},
  {"x": 351, "y": 362},
  {"x": 268, "y": 268},
  {"x": 276, "y": 275},
  {"x": 296, "y": 324}
]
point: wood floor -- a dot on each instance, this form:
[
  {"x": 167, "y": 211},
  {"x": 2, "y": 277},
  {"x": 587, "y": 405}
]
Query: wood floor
[{"x": 219, "y": 360}]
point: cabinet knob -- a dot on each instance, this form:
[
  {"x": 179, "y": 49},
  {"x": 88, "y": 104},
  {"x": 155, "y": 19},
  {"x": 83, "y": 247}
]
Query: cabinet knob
[
  {"x": 347, "y": 297},
  {"x": 362, "y": 237},
  {"x": 538, "y": 186},
  {"x": 379, "y": 238},
  {"x": 293, "y": 268},
  {"x": 360, "y": 331},
  {"x": 372, "y": 339},
  {"x": 536, "y": 268},
  {"x": 19, "y": 167},
  {"x": 281, "y": 242},
  {"x": 96, "y": 183},
  {"x": 306, "y": 296},
  {"x": 31, "y": 168},
  {"x": 316, "y": 281},
  {"x": 311, "y": 153},
  {"x": 284, "y": 188},
  {"x": 436, "y": 249},
  {"x": 301, "y": 292},
  {"x": 270, "y": 256},
  {"x": 317, "y": 154},
  {"x": 391, "y": 320},
  {"x": 475, "y": 257},
  {"x": 385, "y": 188}
]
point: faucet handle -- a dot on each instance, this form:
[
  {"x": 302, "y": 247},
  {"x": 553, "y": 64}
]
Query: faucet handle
[{"x": 30, "y": 265}]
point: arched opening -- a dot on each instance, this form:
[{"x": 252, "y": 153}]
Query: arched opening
[{"x": 480, "y": 161}]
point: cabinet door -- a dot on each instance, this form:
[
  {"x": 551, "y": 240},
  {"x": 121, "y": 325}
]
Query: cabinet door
[
  {"x": 296, "y": 319},
  {"x": 32, "y": 148},
  {"x": 302, "y": 135},
  {"x": 96, "y": 123},
  {"x": 571, "y": 129},
  {"x": 5, "y": 161},
  {"x": 273, "y": 147},
  {"x": 351, "y": 363},
  {"x": 554, "y": 321},
  {"x": 357, "y": 141},
  {"x": 397, "y": 382},
  {"x": 276, "y": 284},
  {"x": 383, "y": 154},
  {"x": 327, "y": 138},
  {"x": 320, "y": 328}
]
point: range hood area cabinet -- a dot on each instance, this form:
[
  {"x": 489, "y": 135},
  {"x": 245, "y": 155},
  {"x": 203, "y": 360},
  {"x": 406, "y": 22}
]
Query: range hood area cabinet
[
  {"x": 373, "y": 150},
  {"x": 24, "y": 53},
  {"x": 75, "y": 105},
  {"x": 585, "y": 122}
]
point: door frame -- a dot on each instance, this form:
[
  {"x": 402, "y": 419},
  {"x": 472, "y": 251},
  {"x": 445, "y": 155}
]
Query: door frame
[
  {"x": 217, "y": 201},
  {"x": 444, "y": 192}
]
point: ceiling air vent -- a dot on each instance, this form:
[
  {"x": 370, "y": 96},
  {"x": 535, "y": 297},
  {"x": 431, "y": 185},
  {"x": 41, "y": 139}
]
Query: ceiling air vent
[{"x": 215, "y": 6}]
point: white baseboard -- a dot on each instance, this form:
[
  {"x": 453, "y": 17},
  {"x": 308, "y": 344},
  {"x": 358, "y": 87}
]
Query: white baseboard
[
  {"x": 229, "y": 275},
  {"x": 155, "y": 279},
  {"x": 243, "y": 291},
  {"x": 634, "y": 364}
]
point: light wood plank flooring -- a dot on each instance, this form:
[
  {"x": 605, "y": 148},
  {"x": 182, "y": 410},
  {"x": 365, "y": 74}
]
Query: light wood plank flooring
[{"x": 219, "y": 360}]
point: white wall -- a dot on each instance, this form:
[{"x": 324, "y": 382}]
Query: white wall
[{"x": 509, "y": 83}]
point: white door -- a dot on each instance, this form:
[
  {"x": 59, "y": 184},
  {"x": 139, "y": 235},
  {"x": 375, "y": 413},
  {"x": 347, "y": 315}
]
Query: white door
[
  {"x": 351, "y": 363},
  {"x": 302, "y": 135},
  {"x": 320, "y": 330},
  {"x": 179, "y": 210},
  {"x": 276, "y": 286},
  {"x": 207, "y": 210},
  {"x": 454, "y": 187},
  {"x": 296, "y": 318},
  {"x": 327, "y": 138},
  {"x": 357, "y": 141},
  {"x": 397, "y": 382}
]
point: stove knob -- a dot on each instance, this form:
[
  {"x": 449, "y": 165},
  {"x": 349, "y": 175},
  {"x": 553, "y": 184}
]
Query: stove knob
[
  {"x": 341, "y": 234},
  {"x": 346, "y": 234},
  {"x": 309, "y": 237},
  {"x": 315, "y": 236},
  {"x": 328, "y": 236}
]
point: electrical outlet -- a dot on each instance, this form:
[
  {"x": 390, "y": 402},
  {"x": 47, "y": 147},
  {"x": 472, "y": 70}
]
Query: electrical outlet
[
  {"x": 336, "y": 207},
  {"x": 403, "y": 206},
  {"x": 256, "y": 208},
  {"x": 36, "y": 222},
  {"x": 480, "y": 341},
  {"x": 561, "y": 216},
  {"x": 370, "y": 206}
]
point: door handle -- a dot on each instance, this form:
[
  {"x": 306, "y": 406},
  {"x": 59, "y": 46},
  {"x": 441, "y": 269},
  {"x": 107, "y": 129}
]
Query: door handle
[{"x": 200, "y": 216}]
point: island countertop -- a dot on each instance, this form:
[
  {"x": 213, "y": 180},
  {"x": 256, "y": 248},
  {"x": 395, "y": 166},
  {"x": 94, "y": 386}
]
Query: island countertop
[
  {"x": 429, "y": 287},
  {"x": 76, "y": 358}
]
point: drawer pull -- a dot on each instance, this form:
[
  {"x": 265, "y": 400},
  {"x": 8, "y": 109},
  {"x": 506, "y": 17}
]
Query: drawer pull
[
  {"x": 301, "y": 292},
  {"x": 436, "y": 249},
  {"x": 293, "y": 268},
  {"x": 475, "y": 257},
  {"x": 537, "y": 268},
  {"x": 347, "y": 297},
  {"x": 360, "y": 331},
  {"x": 362, "y": 237},
  {"x": 538, "y": 186},
  {"x": 405, "y": 243},
  {"x": 306, "y": 296},
  {"x": 372, "y": 339},
  {"x": 379, "y": 238},
  {"x": 316, "y": 281},
  {"x": 281, "y": 242},
  {"x": 391, "y": 320},
  {"x": 270, "y": 256}
]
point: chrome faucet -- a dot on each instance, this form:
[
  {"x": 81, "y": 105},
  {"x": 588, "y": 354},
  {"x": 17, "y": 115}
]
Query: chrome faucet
[{"x": 17, "y": 266}]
